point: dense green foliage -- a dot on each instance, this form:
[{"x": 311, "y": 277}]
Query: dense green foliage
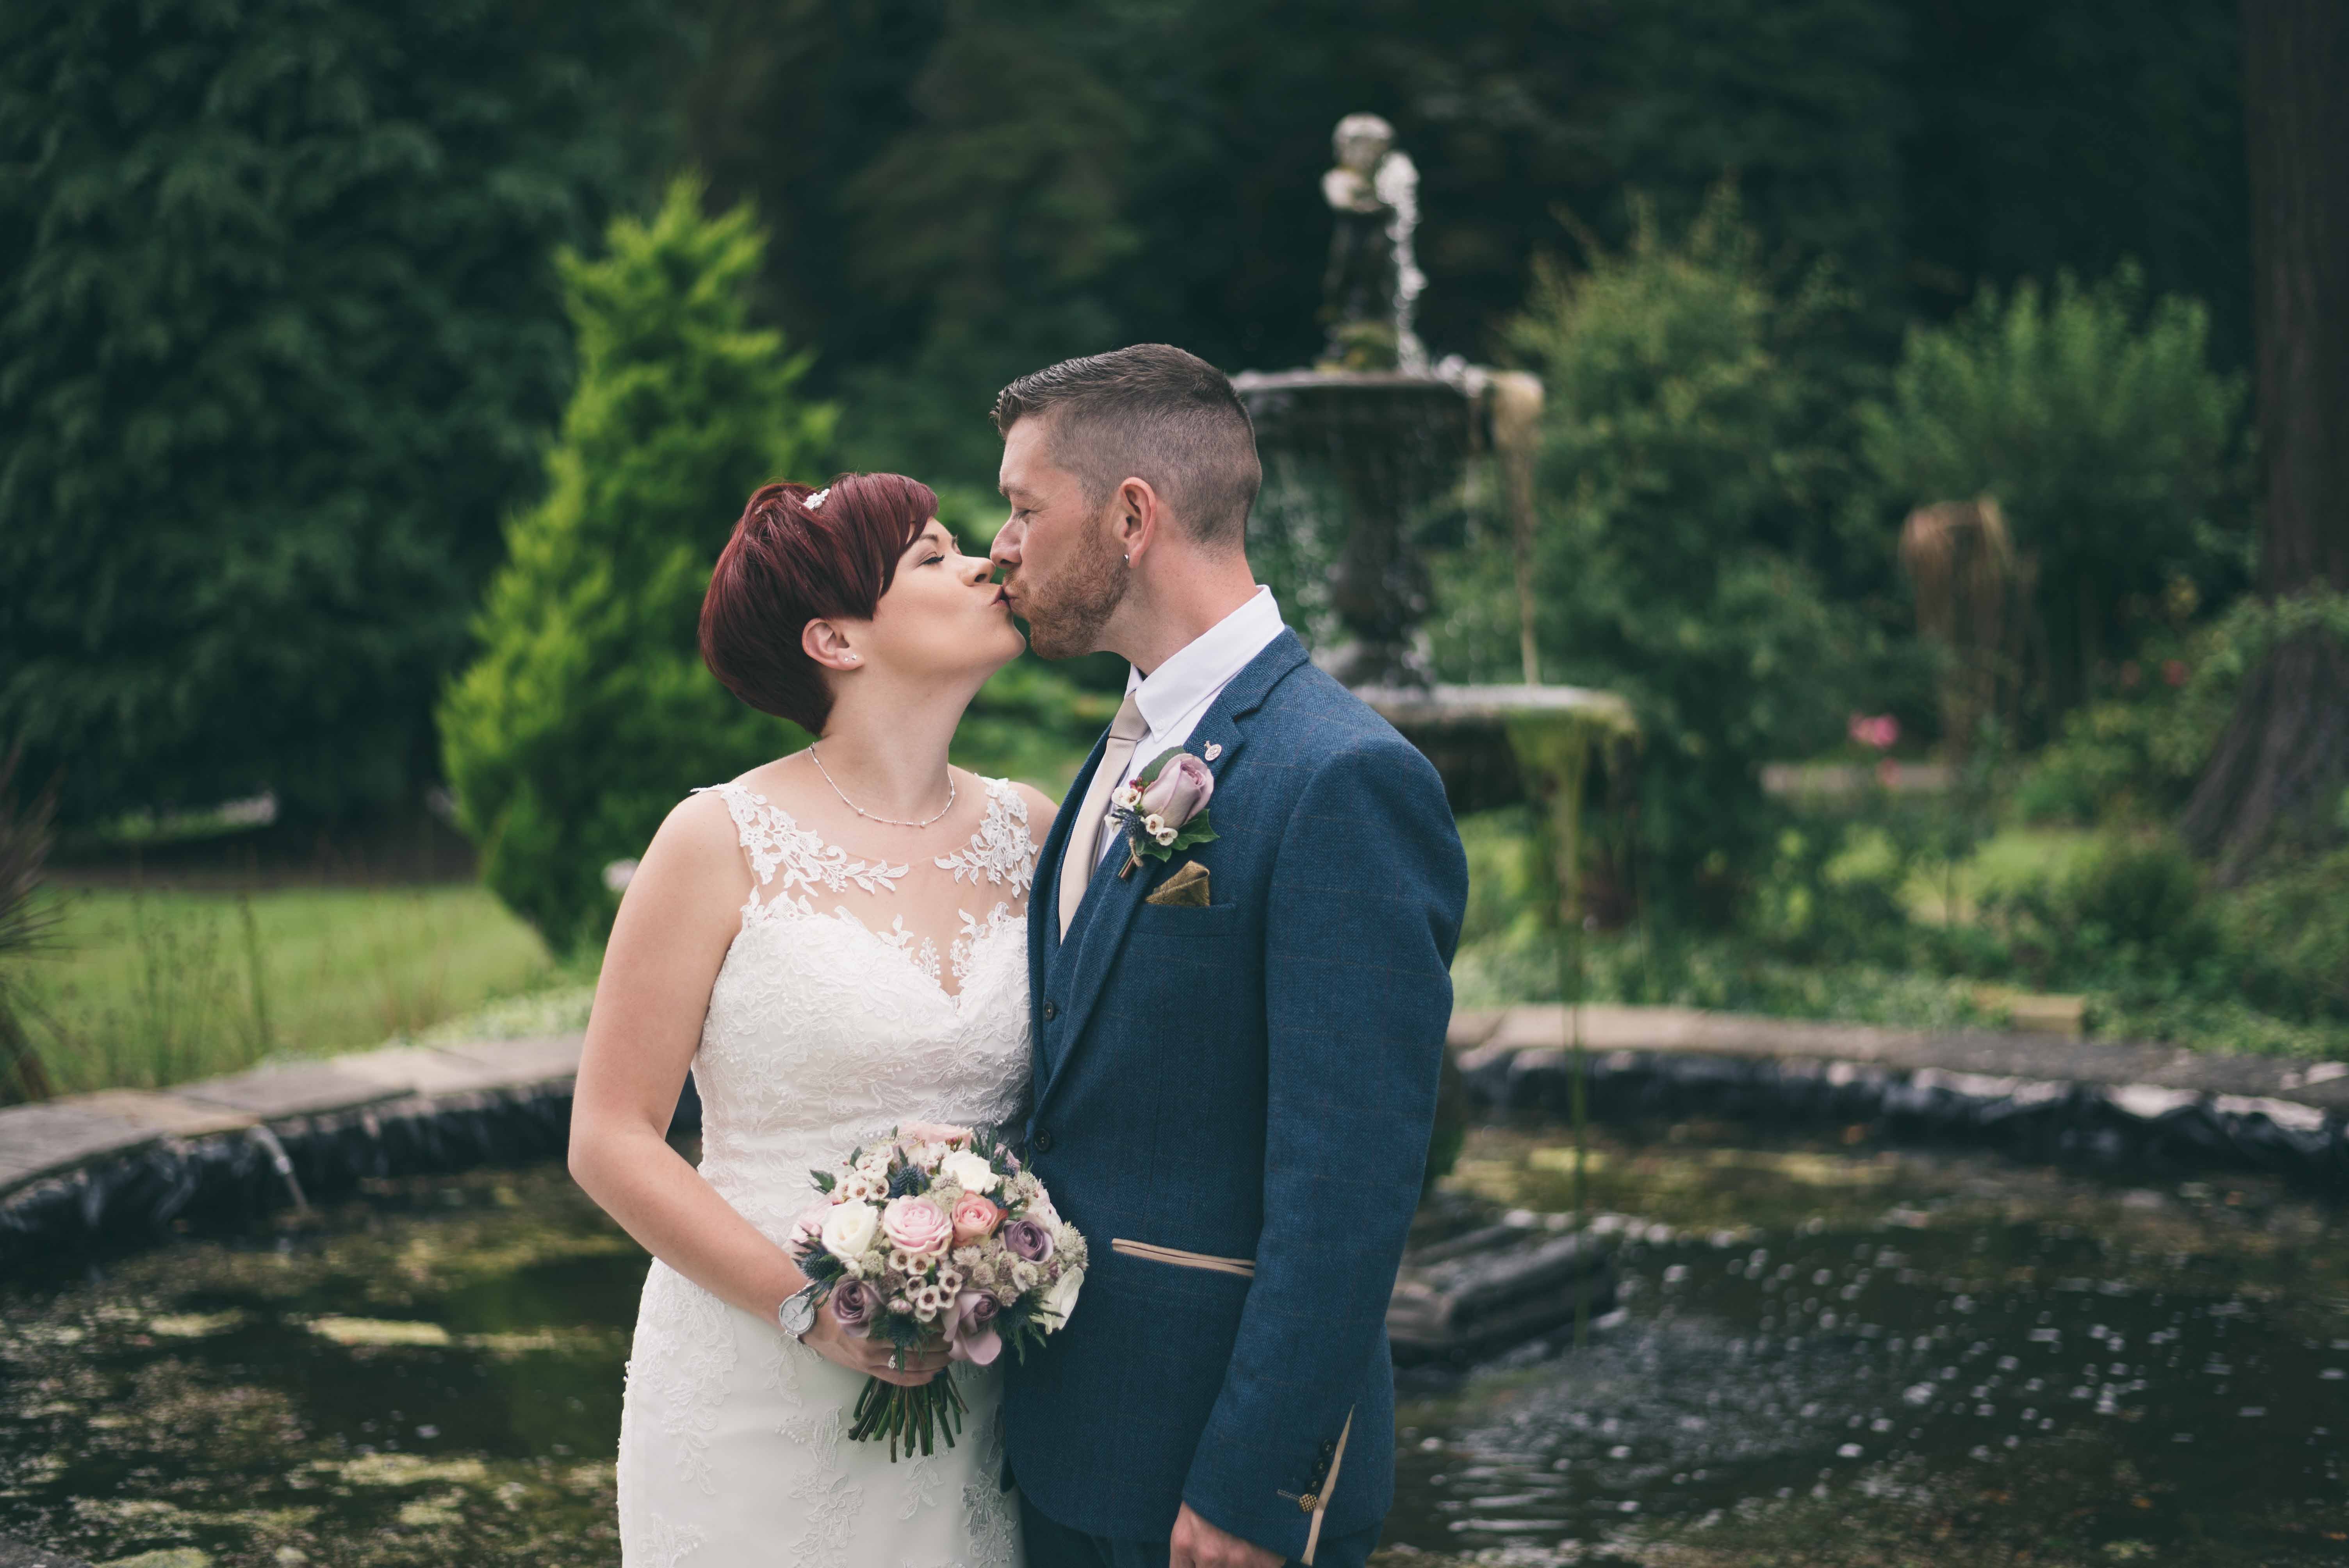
[
  {"x": 280, "y": 340},
  {"x": 1930, "y": 147},
  {"x": 2098, "y": 423},
  {"x": 1687, "y": 459},
  {"x": 589, "y": 713}
]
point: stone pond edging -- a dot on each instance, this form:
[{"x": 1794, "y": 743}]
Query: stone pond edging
[
  {"x": 122, "y": 1164},
  {"x": 2036, "y": 1095}
]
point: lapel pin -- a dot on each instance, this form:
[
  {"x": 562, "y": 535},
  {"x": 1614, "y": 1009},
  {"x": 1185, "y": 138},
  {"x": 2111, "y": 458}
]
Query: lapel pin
[{"x": 1214, "y": 750}]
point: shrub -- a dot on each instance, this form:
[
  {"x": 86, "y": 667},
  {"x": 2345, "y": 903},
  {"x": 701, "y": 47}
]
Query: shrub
[
  {"x": 2096, "y": 420},
  {"x": 280, "y": 346},
  {"x": 588, "y": 713},
  {"x": 2130, "y": 913},
  {"x": 1685, "y": 453}
]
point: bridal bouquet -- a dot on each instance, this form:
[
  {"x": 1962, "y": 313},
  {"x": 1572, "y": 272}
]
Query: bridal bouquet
[{"x": 937, "y": 1237}]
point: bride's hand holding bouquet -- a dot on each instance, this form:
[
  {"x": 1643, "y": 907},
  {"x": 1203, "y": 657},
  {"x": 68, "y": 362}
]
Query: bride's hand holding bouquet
[{"x": 932, "y": 1247}]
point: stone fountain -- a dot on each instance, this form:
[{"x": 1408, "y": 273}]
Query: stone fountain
[
  {"x": 1359, "y": 445},
  {"x": 1358, "y": 449}
]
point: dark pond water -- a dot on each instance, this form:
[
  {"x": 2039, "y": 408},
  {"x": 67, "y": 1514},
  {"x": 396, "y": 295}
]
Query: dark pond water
[{"x": 1827, "y": 1354}]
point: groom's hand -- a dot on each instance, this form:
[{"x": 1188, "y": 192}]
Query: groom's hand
[{"x": 1196, "y": 1543}]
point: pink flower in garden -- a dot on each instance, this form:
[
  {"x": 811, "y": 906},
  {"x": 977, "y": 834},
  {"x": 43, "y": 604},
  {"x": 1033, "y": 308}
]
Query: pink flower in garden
[
  {"x": 2174, "y": 671},
  {"x": 1879, "y": 730},
  {"x": 975, "y": 1219},
  {"x": 2130, "y": 676},
  {"x": 1180, "y": 792},
  {"x": 916, "y": 1225}
]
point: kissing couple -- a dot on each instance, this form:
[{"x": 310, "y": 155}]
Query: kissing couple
[{"x": 1201, "y": 1002}]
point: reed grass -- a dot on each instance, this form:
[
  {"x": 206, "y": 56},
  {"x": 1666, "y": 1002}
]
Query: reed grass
[{"x": 142, "y": 988}]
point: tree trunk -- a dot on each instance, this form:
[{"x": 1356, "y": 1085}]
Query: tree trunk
[{"x": 2286, "y": 754}]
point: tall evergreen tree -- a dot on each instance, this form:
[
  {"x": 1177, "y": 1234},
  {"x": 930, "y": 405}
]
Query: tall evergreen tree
[
  {"x": 281, "y": 341},
  {"x": 589, "y": 714},
  {"x": 2279, "y": 768}
]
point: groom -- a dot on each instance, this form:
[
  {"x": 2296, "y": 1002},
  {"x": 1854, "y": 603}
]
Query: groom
[{"x": 1236, "y": 1045}]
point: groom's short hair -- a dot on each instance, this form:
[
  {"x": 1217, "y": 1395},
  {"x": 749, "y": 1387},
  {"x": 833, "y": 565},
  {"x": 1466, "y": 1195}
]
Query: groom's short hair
[{"x": 1150, "y": 412}]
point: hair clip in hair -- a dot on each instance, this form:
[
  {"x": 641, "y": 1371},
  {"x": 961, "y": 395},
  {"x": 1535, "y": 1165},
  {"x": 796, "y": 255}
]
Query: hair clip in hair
[{"x": 816, "y": 500}]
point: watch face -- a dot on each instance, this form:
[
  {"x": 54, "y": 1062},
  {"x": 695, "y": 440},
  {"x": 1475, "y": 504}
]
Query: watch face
[{"x": 798, "y": 1315}]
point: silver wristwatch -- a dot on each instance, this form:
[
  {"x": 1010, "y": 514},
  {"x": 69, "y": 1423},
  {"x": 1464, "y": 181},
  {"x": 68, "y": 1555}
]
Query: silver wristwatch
[{"x": 797, "y": 1314}]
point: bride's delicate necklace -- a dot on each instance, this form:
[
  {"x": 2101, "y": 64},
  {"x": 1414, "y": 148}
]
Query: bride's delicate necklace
[{"x": 869, "y": 816}]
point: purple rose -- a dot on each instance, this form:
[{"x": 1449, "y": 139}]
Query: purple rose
[
  {"x": 1028, "y": 1240},
  {"x": 969, "y": 1336},
  {"x": 853, "y": 1303},
  {"x": 1180, "y": 792}
]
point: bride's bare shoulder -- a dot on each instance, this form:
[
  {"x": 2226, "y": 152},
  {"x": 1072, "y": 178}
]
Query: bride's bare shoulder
[{"x": 704, "y": 830}]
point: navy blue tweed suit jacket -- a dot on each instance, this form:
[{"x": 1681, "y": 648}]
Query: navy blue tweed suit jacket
[{"x": 1254, "y": 1079}]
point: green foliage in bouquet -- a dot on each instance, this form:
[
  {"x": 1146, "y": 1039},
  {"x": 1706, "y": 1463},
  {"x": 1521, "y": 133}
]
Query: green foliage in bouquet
[
  {"x": 589, "y": 714},
  {"x": 281, "y": 345}
]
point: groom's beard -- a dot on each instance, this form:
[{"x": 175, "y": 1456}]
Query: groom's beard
[{"x": 1065, "y": 616}]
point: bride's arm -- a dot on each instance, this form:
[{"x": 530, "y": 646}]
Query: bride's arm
[{"x": 681, "y": 910}]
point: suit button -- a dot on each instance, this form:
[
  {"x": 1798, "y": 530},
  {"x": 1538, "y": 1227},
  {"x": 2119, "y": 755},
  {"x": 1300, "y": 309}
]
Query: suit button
[
  {"x": 1052, "y": 1011},
  {"x": 1042, "y": 1142}
]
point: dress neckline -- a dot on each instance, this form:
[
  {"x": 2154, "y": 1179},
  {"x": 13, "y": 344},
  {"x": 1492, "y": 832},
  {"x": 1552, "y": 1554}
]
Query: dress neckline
[{"x": 999, "y": 853}]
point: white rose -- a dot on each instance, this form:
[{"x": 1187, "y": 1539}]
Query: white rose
[
  {"x": 849, "y": 1229},
  {"x": 1062, "y": 1299},
  {"x": 969, "y": 1172}
]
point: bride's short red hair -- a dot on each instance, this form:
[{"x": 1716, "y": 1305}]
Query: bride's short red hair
[{"x": 789, "y": 563}]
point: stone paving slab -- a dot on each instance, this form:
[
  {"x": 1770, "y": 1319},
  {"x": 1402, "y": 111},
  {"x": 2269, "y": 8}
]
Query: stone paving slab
[
  {"x": 524, "y": 1061},
  {"x": 294, "y": 1089},
  {"x": 1480, "y": 1036},
  {"x": 56, "y": 1136},
  {"x": 38, "y": 1138}
]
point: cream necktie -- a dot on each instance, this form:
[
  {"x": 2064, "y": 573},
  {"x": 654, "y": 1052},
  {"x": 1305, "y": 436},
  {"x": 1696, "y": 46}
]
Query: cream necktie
[{"x": 1083, "y": 857}]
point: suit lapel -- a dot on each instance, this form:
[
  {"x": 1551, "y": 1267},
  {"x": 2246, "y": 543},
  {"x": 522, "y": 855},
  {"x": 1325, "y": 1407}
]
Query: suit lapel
[{"x": 1100, "y": 923}]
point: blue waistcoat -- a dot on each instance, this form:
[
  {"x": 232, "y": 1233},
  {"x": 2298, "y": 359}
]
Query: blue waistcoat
[{"x": 1252, "y": 1081}]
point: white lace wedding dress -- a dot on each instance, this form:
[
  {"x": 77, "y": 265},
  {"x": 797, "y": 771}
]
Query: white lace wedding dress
[{"x": 824, "y": 1033}]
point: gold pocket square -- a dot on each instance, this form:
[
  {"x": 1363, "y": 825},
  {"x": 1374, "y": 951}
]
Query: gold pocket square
[{"x": 1187, "y": 889}]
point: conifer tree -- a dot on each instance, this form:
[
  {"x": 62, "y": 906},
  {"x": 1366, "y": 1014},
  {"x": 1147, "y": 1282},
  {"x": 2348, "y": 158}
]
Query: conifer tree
[
  {"x": 589, "y": 713},
  {"x": 280, "y": 346}
]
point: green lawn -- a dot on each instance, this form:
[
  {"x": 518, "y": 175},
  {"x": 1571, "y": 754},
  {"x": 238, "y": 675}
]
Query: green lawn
[{"x": 150, "y": 988}]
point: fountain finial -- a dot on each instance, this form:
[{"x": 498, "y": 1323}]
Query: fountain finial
[{"x": 1373, "y": 281}]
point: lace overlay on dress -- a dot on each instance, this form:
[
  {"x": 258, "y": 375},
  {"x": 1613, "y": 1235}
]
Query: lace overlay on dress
[{"x": 824, "y": 1033}]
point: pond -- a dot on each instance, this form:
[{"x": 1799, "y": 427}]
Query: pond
[{"x": 1826, "y": 1353}]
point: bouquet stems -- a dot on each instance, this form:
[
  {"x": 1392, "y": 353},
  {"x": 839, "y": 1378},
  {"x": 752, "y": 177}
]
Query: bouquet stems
[{"x": 909, "y": 1416}]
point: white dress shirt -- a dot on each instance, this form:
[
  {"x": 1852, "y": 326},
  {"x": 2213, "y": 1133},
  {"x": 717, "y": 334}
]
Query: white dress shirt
[{"x": 1176, "y": 696}]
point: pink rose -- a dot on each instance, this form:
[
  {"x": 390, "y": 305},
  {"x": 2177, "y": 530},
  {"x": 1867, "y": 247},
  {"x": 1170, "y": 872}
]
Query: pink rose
[
  {"x": 917, "y": 1225},
  {"x": 1180, "y": 791},
  {"x": 807, "y": 1231},
  {"x": 975, "y": 1219}
]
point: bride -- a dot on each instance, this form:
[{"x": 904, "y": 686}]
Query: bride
[{"x": 834, "y": 943}]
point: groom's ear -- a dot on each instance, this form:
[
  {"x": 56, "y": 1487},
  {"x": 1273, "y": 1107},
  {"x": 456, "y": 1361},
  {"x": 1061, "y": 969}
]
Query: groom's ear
[
  {"x": 828, "y": 645},
  {"x": 1138, "y": 514}
]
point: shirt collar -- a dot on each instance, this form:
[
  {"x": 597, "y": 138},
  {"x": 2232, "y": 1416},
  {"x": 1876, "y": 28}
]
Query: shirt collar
[{"x": 1208, "y": 663}]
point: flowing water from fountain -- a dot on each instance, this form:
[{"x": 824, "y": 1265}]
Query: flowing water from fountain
[{"x": 1826, "y": 1351}]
